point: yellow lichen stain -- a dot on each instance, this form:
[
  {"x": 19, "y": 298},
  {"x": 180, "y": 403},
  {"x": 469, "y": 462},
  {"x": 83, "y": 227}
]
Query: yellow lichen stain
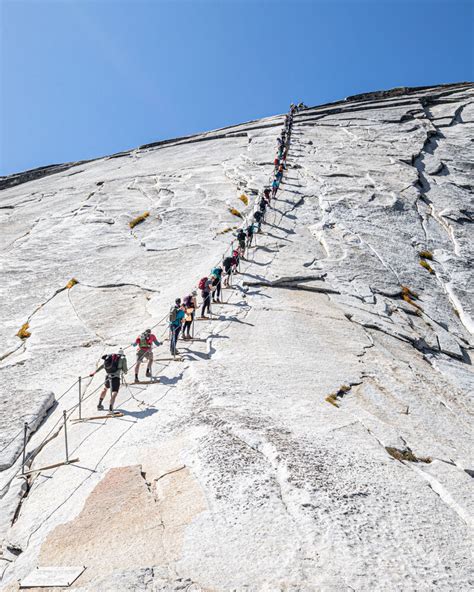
[
  {"x": 72, "y": 282},
  {"x": 138, "y": 219},
  {"x": 23, "y": 333},
  {"x": 235, "y": 212}
]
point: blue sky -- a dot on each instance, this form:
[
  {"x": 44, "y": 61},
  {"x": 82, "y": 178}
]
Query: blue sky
[{"x": 80, "y": 78}]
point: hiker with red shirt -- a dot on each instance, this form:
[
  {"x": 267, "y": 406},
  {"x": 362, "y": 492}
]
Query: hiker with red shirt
[{"x": 145, "y": 343}]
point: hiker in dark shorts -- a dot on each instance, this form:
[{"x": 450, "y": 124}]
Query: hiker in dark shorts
[
  {"x": 227, "y": 265},
  {"x": 114, "y": 365},
  {"x": 258, "y": 217},
  {"x": 189, "y": 311},
  {"x": 241, "y": 238}
]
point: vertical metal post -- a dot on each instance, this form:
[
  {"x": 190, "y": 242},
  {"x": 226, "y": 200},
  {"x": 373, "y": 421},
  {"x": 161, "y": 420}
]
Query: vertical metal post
[
  {"x": 80, "y": 397},
  {"x": 65, "y": 436},
  {"x": 25, "y": 438}
]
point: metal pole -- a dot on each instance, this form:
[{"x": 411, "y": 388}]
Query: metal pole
[
  {"x": 25, "y": 438},
  {"x": 80, "y": 397},
  {"x": 65, "y": 435}
]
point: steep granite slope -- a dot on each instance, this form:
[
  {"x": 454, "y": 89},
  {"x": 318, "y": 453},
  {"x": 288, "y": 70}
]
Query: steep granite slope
[{"x": 318, "y": 437}]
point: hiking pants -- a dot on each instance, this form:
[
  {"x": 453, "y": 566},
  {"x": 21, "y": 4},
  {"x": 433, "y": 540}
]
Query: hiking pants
[
  {"x": 174, "y": 334},
  {"x": 187, "y": 328},
  {"x": 206, "y": 305},
  {"x": 217, "y": 291}
]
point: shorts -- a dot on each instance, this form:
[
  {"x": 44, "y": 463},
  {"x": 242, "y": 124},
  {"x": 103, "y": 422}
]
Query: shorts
[
  {"x": 144, "y": 354},
  {"x": 112, "y": 382}
]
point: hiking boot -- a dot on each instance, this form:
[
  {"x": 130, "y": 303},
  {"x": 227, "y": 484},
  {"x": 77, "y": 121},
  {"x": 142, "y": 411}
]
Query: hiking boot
[
  {"x": 136, "y": 377},
  {"x": 111, "y": 408},
  {"x": 100, "y": 407},
  {"x": 148, "y": 373}
]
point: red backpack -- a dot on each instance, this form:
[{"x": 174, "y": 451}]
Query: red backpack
[{"x": 202, "y": 283}]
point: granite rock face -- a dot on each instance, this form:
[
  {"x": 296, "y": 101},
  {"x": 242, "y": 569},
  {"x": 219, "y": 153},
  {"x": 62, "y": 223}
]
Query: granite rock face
[{"x": 317, "y": 435}]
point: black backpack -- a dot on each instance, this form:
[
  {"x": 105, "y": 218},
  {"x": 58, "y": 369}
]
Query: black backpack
[{"x": 111, "y": 363}]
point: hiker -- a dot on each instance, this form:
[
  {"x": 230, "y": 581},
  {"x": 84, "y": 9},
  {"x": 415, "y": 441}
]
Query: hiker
[
  {"x": 258, "y": 216},
  {"x": 175, "y": 319},
  {"x": 190, "y": 306},
  {"x": 250, "y": 233},
  {"x": 114, "y": 365},
  {"x": 235, "y": 261},
  {"x": 205, "y": 287},
  {"x": 216, "y": 274},
  {"x": 276, "y": 162},
  {"x": 241, "y": 238},
  {"x": 145, "y": 342},
  {"x": 262, "y": 206},
  {"x": 275, "y": 186},
  {"x": 279, "y": 176},
  {"x": 227, "y": 265},
  {"x": 266, "y": 195}
]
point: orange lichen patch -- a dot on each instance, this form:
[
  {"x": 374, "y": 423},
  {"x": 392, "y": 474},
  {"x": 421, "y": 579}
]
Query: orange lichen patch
[
  {"x": 426, "y": 265},
  {"x": 332, "y": 398},
  {"x": 409, "y": 296},
  {"x": 244, "y": 199},
  {"x": 23, "y": 333},
  {"x": 426, "y": 255},
  {"x": 406, "y": 454},
  {"x": 235, "y": 212},
  {"x": 72, "y": 282},
  {"x": 409, "y": 293},
  {"x": 138, "y": 219}
]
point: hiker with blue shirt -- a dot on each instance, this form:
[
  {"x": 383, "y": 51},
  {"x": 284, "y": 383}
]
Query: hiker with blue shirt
[
  {"x": 175, "y": 320},
  {"x": 216, "y": 275}
]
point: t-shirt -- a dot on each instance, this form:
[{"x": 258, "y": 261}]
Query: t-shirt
[
  {"x": 148, "y": 341},
  {"x": 179, "y": 318}
]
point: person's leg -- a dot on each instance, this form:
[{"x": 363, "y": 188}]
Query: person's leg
[
  {"x": 172, "y": 340},
  {"x": 150, "y": 363},
  {"x": 137, "y": 365},
  {"x": 207, "y": 302},
  {"x": 115, "y": 389},
  {"x": 218, "y": 290},
  {"x": 100, "y": 406}
]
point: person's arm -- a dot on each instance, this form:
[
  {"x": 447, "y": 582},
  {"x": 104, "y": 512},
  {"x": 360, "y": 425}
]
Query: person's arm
[
  {"x": 96, "y": 370},
  {"x": 137, "y": 341}
]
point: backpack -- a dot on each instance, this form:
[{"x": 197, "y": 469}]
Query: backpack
[
  {"x": 217, "y": 272},
  {"x": 173, "y": 314},
  {"x": 188, "y": 301},
  {"x": 144, "y": 343},
  {"x": 228, "y": 263},
  {"x": 111, "y": 363},
  {"x": 202, "y": 283}
]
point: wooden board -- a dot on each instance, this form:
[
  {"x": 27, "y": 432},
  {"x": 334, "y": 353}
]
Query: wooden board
[
  {"x": 109, "y": 415},
  {"x": 50, "y": 577}
]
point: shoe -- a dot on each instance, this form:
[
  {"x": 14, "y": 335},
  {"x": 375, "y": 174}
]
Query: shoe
[
  {"x": 136, "y": 378},
  {"x": 100, "y": 407},
  {"x": 148, "y": 373},
  {"x": 111, "y": 408}
]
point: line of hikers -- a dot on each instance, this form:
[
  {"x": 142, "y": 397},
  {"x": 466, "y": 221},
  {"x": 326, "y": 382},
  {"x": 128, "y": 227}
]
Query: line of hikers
[{"x": 183, "y": 313}]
